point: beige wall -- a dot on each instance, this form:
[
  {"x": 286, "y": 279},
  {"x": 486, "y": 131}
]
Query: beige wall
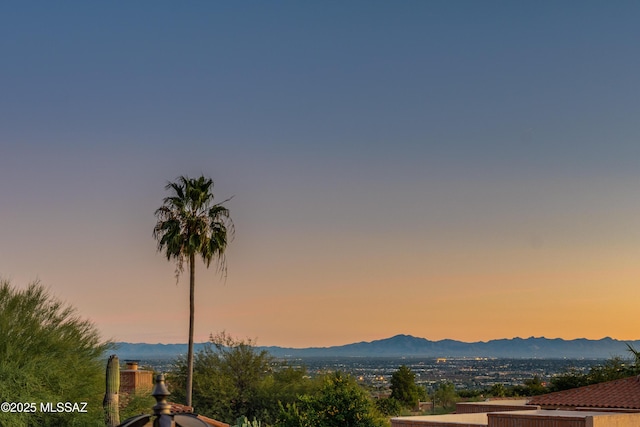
[
  {"x": 540, "y": 418},
  {"x": 521, "y": 420},
  {"x": 450, "y": 420},
  {"x": 493, "y": 406},
  {"x": 135, "y": 381},
  {"x": 614, "y": 420}
]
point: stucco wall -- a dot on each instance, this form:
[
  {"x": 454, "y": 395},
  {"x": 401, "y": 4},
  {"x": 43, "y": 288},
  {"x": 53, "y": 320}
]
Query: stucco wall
[
  {"x": 451, "y": 420},
  {"x": 614, "y": 420}
]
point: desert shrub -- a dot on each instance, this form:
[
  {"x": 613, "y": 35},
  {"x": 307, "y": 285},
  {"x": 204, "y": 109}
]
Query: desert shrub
[{"x": 48, "y": 354}]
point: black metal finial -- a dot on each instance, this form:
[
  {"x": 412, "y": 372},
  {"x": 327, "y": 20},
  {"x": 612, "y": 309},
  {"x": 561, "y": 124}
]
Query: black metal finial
[
  {"x": 162, "y": 416},
  {"x": 160, "y": 392}
]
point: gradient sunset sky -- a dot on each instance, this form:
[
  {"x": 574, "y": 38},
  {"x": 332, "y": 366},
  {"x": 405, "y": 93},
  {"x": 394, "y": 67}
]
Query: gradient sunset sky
[{"x": 447, "y": 169}]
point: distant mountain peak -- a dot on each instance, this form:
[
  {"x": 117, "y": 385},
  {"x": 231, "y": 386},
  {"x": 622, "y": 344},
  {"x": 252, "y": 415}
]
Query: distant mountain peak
[{"x": 403, "y": 345}]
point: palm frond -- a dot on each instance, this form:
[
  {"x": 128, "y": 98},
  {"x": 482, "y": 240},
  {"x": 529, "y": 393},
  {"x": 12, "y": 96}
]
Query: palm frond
[
  {"x": 636, "y": 353},
  {"x": 188, "y": 222}
]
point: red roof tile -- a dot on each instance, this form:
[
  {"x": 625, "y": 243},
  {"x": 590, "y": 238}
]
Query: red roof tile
[
  {"x": 623, "y": 393},
  {"x": 177, "y": 408}
]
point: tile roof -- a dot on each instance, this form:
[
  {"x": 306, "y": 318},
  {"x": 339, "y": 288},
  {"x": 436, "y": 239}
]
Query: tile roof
[
  {"x": 623, "y": 393},
  {"x": 177, "y": 408}
]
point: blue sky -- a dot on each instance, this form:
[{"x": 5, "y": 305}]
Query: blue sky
[{"x": 448, "y": 160}]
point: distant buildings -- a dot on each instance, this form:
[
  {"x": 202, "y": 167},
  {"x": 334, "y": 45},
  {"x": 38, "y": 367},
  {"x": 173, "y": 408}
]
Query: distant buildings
[{"x": 134, "y": 380}]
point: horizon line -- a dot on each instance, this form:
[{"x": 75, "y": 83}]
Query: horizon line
[{"x": 402, "y": 335}]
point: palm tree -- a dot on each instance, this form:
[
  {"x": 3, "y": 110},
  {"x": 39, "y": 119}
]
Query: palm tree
[{"x": 190, "y": 224}]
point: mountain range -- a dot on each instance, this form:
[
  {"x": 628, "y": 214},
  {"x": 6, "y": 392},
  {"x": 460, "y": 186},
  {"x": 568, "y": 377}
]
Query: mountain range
[{"x": 410, "y": 346}]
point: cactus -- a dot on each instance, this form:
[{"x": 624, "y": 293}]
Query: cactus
[
  {"x": 244, "y": 422},
  {"x": 111, "y": 398}
]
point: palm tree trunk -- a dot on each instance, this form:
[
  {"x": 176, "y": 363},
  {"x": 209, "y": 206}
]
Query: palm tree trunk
[{"x": 192, "y": 273}]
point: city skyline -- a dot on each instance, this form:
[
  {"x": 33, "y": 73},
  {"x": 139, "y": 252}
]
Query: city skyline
[{"x": 464, "y": 170}]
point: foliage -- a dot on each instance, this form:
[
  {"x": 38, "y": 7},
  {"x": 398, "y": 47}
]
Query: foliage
[
  {"x": 404, "y": 388},
  {"x": 135, "y": 404},
  {"x": 530, "y": 387},
  {"x": 445, "y": 394},
  {"x": 232, "y": 379},
  {"x": 498, "y": 390},
  {"x": 48, "y": 354},
  {"x": 244, "y": 422},
  {"x": 190, "y": 224},
  {"x": 473, "y": 394},
  {"x": 282, "y": 386},
  {"x": 339, "y": 402},
  {"x": 636, "y": 356},
  {"x": 613, "y": 369},
  {"x": 389, "y": 407}
]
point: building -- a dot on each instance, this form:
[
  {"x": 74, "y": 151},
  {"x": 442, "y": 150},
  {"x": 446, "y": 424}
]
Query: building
[
  {"x": 134, "y": 380},
  {"x": 494, "y": 405},
  {"x": 450, "y": 420},
  {"x": 611, "y": 404},
  {"x": 618, "y": 395},
  {"x": 530, "y": 418},
  {"x": 559, "y": 418}
]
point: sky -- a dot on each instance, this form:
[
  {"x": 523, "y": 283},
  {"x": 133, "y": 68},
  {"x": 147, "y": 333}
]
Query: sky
[{"x": 446, "y": 169}]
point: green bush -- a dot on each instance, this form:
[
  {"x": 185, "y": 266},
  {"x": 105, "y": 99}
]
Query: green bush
[
  {"x": 48, "y": 355},
  {"x": 445, "y": 395},
  {"x": 232, "y": 379},
  {"x": 244, "y": 422},
  {"x": 339, "y": 402},
  {"x": 404, "y": 388},
  {"x": 135, "y": 404},
  {"x": 389, "y": 406}
]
